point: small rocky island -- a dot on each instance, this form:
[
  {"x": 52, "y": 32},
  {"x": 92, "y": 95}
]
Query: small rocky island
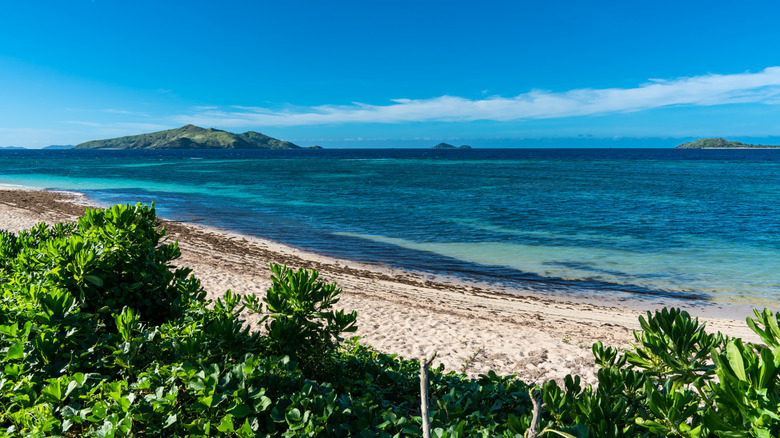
[
  {"x": 719, "y": 143},
  {"x": 449, "y": 146}
]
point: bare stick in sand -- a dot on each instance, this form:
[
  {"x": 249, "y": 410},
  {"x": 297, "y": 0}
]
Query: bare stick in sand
[{"x": 426, "y": 428}]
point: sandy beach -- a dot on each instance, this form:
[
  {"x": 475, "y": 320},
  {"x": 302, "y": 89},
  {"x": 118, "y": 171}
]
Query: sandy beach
[{"x": 472, "y": 327}]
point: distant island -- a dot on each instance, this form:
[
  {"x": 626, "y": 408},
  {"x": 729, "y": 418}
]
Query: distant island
[
  {"x": 14, "y": 148},
  {"x": 449, "y": 146},
  {"x": 719, "y": 143},
  {"x": 191, "y": 137}
]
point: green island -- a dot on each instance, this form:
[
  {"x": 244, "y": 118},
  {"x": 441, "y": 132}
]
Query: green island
[
  {"x": 191, "y": 137},
  {"x": 449, "y": 146},
  {"x": 719, "y": 143},
  {"x": 101, "y": 335}
]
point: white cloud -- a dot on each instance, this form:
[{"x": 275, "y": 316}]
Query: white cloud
[
  {"x": 130, "y": 127},
  {"x": 706, "y": 90},
  {"x": 144, "y": 127},
  {"x": 125, "y": 112},
  {"x": 77, "y": 122}
]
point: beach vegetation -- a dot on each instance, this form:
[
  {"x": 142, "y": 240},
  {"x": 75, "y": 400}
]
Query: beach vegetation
[{"x": 101, "y": 335}]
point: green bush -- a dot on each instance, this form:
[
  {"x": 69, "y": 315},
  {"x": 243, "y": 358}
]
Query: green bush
[
  {"x": 101, "y": 336},
  {"x": 113, "y": 258},
  {"x": 666, "y": 385},
  {"x": 302, "y": 322}
]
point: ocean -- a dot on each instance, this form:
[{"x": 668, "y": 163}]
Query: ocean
[{"x": 638, "y": 224}]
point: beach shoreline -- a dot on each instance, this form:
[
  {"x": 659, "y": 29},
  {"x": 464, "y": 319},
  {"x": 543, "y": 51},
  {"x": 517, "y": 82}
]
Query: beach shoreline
[{"x": 473, "y": 327}]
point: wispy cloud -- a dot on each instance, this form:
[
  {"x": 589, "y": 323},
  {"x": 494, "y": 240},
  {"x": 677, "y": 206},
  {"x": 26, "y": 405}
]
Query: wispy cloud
[
  {"x": 130, "y": 127},
  {"x": 125, "y": 112},
  {"x": 78, "y": 122},
  {"x": 145, "y": 127},
  {"x": 706, "y": 90}
]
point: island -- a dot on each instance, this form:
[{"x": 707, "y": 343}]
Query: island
[
  {"x": 719, "y": 143},
  {"x": 449, "y": 146},
  {"x": 12, "y": 148},
  {"x": 191, "y": 137}
]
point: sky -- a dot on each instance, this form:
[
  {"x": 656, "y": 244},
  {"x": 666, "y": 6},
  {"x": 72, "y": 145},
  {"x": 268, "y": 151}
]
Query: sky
[{"x": 392, "y": 74}]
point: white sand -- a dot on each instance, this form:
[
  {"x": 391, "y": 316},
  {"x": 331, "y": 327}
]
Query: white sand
[{"x": 469, "y": 326}]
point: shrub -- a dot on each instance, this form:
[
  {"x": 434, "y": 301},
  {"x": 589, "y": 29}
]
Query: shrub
[
  {"x": 113, "y": 258},
  {"x": 302, "y": 321}
]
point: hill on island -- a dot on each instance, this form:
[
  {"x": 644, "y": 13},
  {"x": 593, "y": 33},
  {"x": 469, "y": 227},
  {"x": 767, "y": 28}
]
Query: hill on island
[
  {"x": 719, "y": 143},
  {"x": 191, "y": 137},
  {"x": 449, "y": 146}
]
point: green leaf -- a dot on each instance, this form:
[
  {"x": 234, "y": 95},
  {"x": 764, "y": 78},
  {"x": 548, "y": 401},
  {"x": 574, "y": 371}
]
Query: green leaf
[
  {"x": 293, "y": 416},
  {"x": 768, "y": 371},
  {"x": 197, "y": 385},
  {"x": 245, "y": 431},
  {"x": 514, "y": 424},
  {"x": 9, "y": 330},
  {"x": 99, "y": 411},
  {"x": 15, "y": 351},
  {"x": 263, "y": 404},
  {"x": 53, "y": 390},
  {"x": 734, "y": 356},
  {"x": 94, "y": 279},
  {"x": 170, "y": 421},
  {"x": 276, "y": 415},
  {"x": 226, "y": 425},
  {"x": 241, "y": 410}
]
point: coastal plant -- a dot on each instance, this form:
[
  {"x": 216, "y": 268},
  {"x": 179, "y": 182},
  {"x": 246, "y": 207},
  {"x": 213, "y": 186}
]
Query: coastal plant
[
  {"x": 676, "y": 380},
  {"x": 134, "y": 267},
  {"x": 766, "y": 327},
  {"x": 302, "y": 322},
  {"x": 747, "y": 399},
  {"x": 110, "y": 259},
  {"x": 675, "y": 347},
  {"x": 471, "y": 359}
]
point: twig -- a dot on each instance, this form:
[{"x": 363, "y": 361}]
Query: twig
[
  {"x": 426, "y": 428},
  {"x": 471, "y": 359},
  {"x": 535, "y": 417}
]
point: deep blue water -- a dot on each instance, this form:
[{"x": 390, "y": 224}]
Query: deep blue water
[{"x": 700, "y": 224}]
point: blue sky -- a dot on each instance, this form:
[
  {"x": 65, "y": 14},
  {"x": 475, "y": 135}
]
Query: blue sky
[{"x": 402, "y": 73}]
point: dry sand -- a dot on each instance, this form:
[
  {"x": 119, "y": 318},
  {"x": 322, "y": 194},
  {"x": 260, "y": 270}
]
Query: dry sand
[{"x": 471, "y": 327}]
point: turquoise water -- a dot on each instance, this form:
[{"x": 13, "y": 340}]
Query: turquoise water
[{"x": 699, "y": 225}]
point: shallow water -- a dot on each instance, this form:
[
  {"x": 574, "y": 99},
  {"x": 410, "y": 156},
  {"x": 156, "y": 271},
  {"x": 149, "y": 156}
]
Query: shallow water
[{"x": 699, "y": 224}]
